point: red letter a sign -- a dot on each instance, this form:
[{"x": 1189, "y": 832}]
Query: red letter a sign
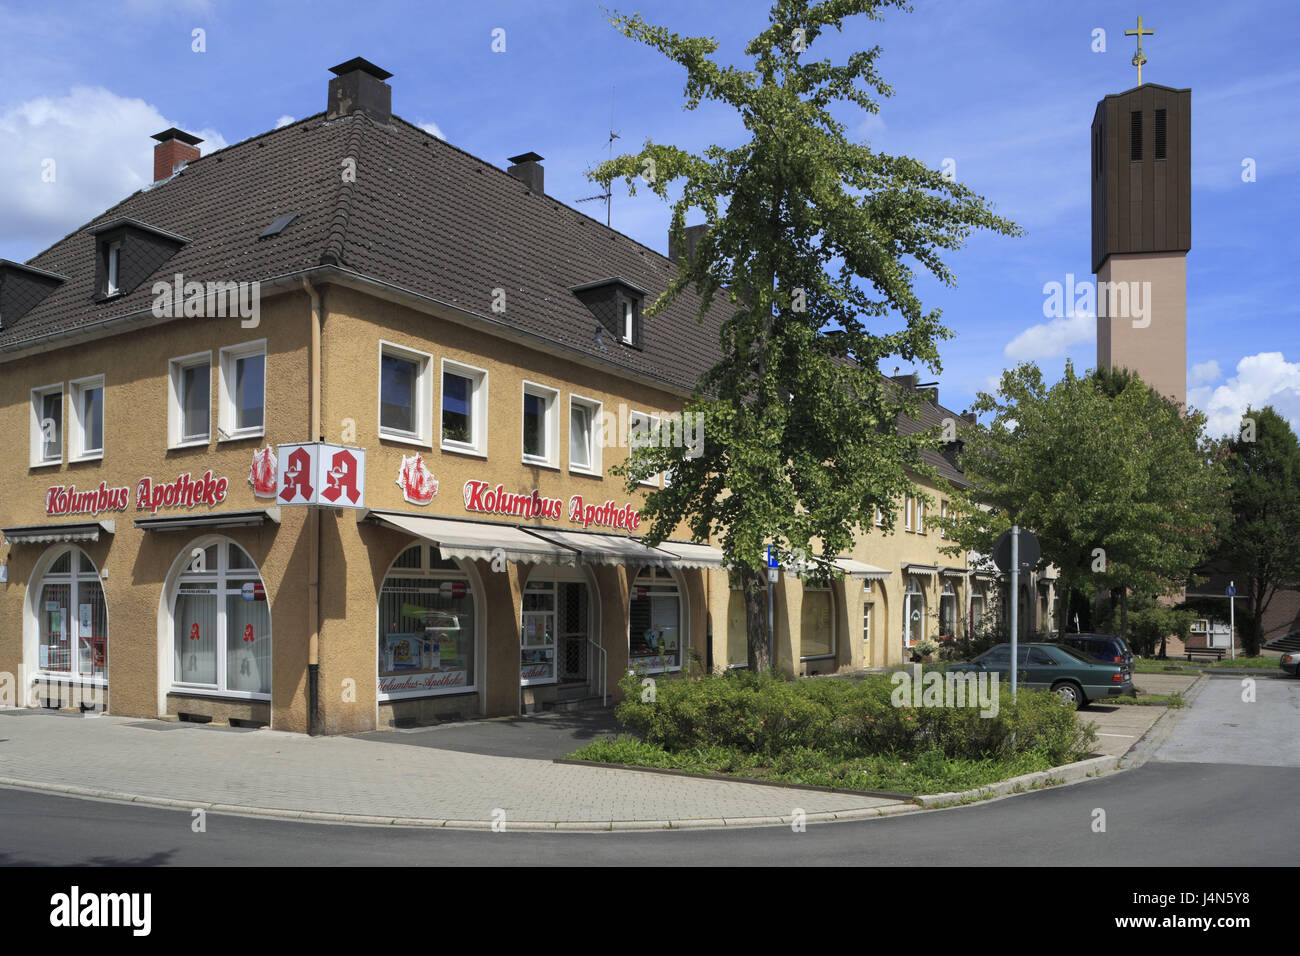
[{"x": 297, "y": 477}]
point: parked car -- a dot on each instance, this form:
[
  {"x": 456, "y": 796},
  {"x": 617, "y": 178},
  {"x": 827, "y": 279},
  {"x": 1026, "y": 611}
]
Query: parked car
[
  {"x": 1291, "y": 663},
  {"x": 1103, "y": 647},
  {"x": 1070, "y": 673}
]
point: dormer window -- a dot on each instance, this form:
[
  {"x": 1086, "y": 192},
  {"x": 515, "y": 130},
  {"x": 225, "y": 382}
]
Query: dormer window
[
  {"x": 628, "y": 313},
  {"x": 114, "y": 260},
  {"x": 616, "y": 305}
]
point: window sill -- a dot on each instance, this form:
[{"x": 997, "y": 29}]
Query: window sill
[
  {"x": 65, "y": 678},
  {"x": 405, "y": 440},
  {"x": 46, "y": 464},
  {"x": 241, "y": 436},
  {"x": 181, "y": 690},
  {"x": 191, "y": 443},
  {"x": 418, "y": 694},
  {"x": 540, "y": 463},
  {"x": 96, "y": 456},
  {"x": 587, "y": 472},
  {"x": 469, "y": 451}
]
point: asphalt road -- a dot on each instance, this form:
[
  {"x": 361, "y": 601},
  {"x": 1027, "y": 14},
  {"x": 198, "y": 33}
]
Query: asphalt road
[{"x": 1215, "y": 809}]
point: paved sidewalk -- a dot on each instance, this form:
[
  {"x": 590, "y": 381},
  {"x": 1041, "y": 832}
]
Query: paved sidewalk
[{"x": 369, "y": 781}]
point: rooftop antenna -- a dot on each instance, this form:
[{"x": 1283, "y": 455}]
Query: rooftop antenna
[{"x": 608, "y": 194}]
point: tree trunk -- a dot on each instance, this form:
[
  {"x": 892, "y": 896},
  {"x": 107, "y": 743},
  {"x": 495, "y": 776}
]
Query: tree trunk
[
  {"x": 1065, "y": 608},
  {"x": 1123, "y": 614},
  {"x": 755, "y": 590}
]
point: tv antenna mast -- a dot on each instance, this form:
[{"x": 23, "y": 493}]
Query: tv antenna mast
[{"x": 608, "y": 194}]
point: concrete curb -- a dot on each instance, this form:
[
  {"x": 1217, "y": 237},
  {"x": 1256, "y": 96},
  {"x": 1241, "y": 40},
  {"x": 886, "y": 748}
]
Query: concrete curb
[{"x": 1070, "y": 773}]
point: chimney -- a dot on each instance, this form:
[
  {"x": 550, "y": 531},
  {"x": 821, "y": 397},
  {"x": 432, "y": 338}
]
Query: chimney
[
  {"x": 175, "y": 148},
  {"x": 692, "y": 236},
  {"x": 358, "y": 86},
  {"x": 526, "y": 167}
]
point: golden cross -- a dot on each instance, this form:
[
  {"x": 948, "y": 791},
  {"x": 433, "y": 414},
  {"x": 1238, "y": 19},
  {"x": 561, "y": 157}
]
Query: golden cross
[{"x": 1139, "y": 57}]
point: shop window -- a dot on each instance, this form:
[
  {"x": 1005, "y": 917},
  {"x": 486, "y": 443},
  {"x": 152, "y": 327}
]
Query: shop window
[
  {"x": 47, "y": 425},
  {"x": 73, "y": 620},
  {"x": 538, "y": 641},
  {"x": 818, "y": 623},
  {"x": 86, "y": 423},
  {"x": 584, "y": 435},
  {"x": 189, "y": 415},
  {"x": 464, "y": 408},
  {"x": 913, "y": 613},
  {"x": 221, "y": 625},
  {"x": 737, "y": 633},
  {"x": 655, "y": 623},
  {"x": 540, "y": 431},
  {"x": 243, "y": 391},
  {"x": 426, "y": 627},
  {"x": 404, "y": 394}
]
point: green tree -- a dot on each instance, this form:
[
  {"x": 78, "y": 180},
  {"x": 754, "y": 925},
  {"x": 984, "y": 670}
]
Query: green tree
[
  {"x": 811, "y": 244},
  {"x": 1121, "y": 489},
  {"x": 1261, "y": 541}
]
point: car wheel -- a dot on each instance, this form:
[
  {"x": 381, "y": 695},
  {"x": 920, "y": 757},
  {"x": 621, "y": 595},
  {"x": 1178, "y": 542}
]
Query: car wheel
[{"x": 1070, "y": 693}]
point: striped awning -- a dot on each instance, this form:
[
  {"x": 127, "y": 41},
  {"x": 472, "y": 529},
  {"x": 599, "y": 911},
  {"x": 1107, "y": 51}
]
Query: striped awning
[
  {"x": 925, "y": 570},
  {"x": 58, "y": 533},
  {"x": 218, "y": 519},
  {"x": 609, "y": 549},
  {"x": 953, "y": 572},
  {"x": 865, "y": 572},
  {"x": 477, "y": 540},
  {"x": 689, "y": 555}
]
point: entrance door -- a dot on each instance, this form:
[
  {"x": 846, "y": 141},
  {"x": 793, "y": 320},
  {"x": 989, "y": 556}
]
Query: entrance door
[{"x": 573, "y": 623}]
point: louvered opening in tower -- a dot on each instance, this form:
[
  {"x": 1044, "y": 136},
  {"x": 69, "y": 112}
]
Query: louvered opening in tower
[
  {"x": 1161, "y": 136},
  {"x": 1135, "y": 136}
]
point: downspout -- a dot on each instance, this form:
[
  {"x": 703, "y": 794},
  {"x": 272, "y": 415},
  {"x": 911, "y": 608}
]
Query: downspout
[{"x": 313, "y": 525}]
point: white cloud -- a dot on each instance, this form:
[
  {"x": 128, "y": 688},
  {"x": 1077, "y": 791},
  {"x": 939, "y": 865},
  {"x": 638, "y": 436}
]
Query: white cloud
[
  {"x": 284, "y": 120},
  {"x": 94, "y": 144},
  {"x": 1204, "y": 372},
  {"x": 1262, "y": 379},
  {"x": 432, "y": 129},
  {"x": 1051, "y": 339}
]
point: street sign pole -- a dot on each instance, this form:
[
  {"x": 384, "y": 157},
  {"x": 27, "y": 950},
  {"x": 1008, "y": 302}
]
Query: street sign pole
[
  {"x": 1015, "y": 601},
  {"x": 1232, "y": 619}
]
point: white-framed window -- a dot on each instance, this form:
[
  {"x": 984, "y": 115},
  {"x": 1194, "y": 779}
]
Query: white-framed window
[
  {"x": 463, "y": 417},
  {"x": 427, "y": 637},
  {"x": 405, "y": 394},
  {"x": 948, "y": 610},
  {"x": 189, "y": 413},
  {"x": 818, "y": 623},
  {"x": 629, "y": 314},
  {"x": 221, "y": 624},
  {"x": 866, "y": 624},
  {"x": 242, "y": 409},
  {"x": 47, "y": 425},
  {"x": 541, "y": 432},
  {"x": 655, "y": 615},
  {"x": 907, "y": 512},
  {"x": 86, "y": 419},
  {"x": 112, "y": 267},
  {"x": 73, "y": 620},
  {"x": 880, "y": 518},
  {"x": 920, "y": 516},
  {"x": 643, "y": 431},
  {"x": 585, "y": 435},
  {"x": 913, "y": 613},
  {"x": 977, "y": 609},
  {"x": 943, "y": 514}
]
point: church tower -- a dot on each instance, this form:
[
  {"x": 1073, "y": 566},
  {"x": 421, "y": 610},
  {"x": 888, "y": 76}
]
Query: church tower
[{"x": 1142, "y": 230}]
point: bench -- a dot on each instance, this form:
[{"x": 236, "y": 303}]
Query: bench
[{"x": 1215, "y": 652}]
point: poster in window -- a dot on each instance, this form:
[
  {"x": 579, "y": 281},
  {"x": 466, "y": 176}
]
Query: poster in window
[
  {"x": 87, "y": 620},
  {"x": 401, "y": 652}
]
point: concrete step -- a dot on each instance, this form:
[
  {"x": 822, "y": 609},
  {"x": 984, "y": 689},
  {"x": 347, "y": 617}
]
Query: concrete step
[{"x": 574, "y": 703}]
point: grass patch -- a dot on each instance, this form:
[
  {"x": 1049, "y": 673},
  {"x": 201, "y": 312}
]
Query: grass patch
[
  {"x": 1172, "y": 666},
  {"x": 1174, "y": 700}
]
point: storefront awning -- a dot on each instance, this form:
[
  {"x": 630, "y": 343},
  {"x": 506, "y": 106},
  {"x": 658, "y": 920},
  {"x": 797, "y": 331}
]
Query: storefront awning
[
  {"x": 690, "y": 555},
  {"x": 57, "y": 533},
  {"x": 926, "y": 570},
  {"x": 221, "y": 519},
  {"x": 953, "y": 572},
  {"x": 606, "y": 548},
  {"x": 477, "y": 540},
  {"x": 866, "y": 572}
]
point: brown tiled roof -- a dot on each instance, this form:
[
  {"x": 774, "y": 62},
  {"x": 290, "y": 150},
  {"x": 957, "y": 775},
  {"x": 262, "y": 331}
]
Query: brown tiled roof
[{"x": 422, "y": 215}]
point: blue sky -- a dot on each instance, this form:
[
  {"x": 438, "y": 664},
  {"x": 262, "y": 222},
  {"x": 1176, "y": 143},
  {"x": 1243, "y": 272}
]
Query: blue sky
[{"x": 1005, "y": 89}]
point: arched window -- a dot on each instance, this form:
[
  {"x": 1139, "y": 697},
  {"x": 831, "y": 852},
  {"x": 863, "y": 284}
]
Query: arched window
[
  {"x": 73, "y": 619},
  {"x": 655, "y": 632},
  {"x": 426, "y": 627},
  {"x": 221, "y": 624},
  {"x": 913, "y": 613}
]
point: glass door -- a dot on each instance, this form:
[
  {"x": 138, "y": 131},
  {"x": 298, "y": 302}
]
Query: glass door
[{"x": 538, "y": 636}]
